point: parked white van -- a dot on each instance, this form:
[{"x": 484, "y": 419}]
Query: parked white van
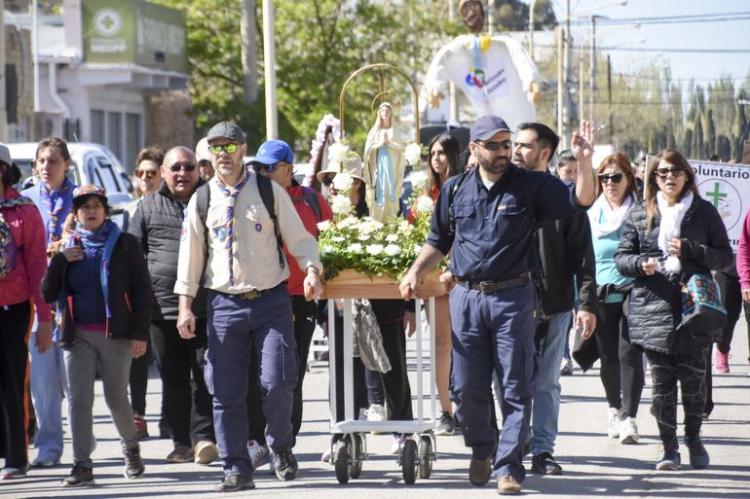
[{"x": 90, "y": 164}]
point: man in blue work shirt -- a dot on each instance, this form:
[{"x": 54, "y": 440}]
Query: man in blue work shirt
[{"x": 486, "y": 218}]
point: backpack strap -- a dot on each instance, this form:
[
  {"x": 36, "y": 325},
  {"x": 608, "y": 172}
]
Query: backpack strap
[
  {"x": 203, "y": 199},
  {"x": 311, "y": 199},
  {"x": 265, "y": 188}
]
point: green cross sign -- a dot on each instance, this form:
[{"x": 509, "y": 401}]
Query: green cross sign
[
  {"x": 716, "y": 195},
  {"x": 107, "y": 22}
]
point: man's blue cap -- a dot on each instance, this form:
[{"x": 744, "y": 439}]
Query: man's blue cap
[
  {"x": 487, "y": 126},
  {"x": 272, "y": 151}
]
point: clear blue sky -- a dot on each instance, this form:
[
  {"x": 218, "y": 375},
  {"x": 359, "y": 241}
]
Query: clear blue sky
[{"x": 703, "y": 67}]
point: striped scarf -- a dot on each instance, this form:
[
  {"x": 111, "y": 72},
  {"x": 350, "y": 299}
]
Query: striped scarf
[
  {"x": 58, "y": 204},
  {"x": 232, "y": 194}
]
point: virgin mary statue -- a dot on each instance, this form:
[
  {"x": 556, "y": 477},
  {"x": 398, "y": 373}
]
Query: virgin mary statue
[{"x": 384, "y": 164}]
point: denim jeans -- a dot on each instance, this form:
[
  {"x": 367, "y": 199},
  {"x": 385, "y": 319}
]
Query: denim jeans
[{"x": 546, "y": 399}]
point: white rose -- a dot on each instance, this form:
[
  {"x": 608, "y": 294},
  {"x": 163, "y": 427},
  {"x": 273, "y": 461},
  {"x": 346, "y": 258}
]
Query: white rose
[
  {"x": 347, "y": 222},
  {"x": 425, "y": 204},
  {"x": 413, "y": 154},
  {"x": 375, "y": 249},
  {"x": 324, "y": 225},
  {"x": 354, "y": 248},
  {"x": 419, "y": 180},
  {"x": 336, "y": 155},
  {"x": 324, "y": 250},
  {"x": 338, "y": 239},
  {"x": 341, "y": 204},
  {"x": 417, "y": 248},
  {"x": 363, "y": 237},
  {"x": 343, "y": 182},
  {"x": 392, "y": 250},
  {"x": 391, "y": 238}
]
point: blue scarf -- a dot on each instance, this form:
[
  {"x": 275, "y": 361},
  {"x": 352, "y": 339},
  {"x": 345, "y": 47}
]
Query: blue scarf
[
  {"x": 231, "y": 193},
  {"x": 99, "y": 243},
  {"x": 58, "y": 204}
]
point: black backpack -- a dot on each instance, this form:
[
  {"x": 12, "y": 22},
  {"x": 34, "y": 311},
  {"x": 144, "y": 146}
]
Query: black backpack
[{"x": 265, "y": 188}]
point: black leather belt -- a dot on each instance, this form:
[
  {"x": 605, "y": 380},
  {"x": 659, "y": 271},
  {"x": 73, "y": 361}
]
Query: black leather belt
[
  {"x": 257, "y": 293},
  {"x": 493, "y": 286}
]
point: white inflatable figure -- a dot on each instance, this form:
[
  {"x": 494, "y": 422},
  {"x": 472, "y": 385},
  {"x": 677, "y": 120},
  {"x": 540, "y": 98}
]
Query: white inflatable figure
[
  {"x": 495, "y": 73},
  {"x": 384, "y": 164}
]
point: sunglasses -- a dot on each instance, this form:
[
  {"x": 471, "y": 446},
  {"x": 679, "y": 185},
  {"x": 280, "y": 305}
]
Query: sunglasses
[
  {"x": 327, "y": 180},
  {"x": 676, "y": 171},
  {"x": 182, "y": 165},
  {"x": 614, "y": 177},
  {"x": 146, "y": 173},
  {"x": 496, "y": 146},
  {"x": 230, "y": 148}
]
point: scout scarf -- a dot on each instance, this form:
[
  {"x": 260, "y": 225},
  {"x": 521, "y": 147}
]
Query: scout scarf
[
  {"x": 232, "y": 194},
  {"x": 606, "y": 220},
  {"x": 99, "y": 243},
  {"x": 58, "y": 204},
  {"x": 669, "y": 228}
]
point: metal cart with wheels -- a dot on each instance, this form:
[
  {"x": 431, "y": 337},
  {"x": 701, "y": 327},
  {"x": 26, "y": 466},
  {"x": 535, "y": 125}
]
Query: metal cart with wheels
[{"x": 348, "y": 441}]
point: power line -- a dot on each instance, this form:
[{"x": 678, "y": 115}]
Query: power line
[
  {"x": 657, "y": 49},
  {"x": 679, "y": 19}
]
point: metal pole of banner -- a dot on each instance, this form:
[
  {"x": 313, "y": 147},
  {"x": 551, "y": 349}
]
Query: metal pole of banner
[
  {"x": 269, "y": 63},
  {"x": 490, "y": 16},
  {"x": 560, "y": 86},
  {"x": 592, "y": 70},
  {"x": 35, "y": 52},
  {"x": 452, "y": 95},
  {"x": 532, "y": 5},
  {"x": 3, "y": 109}
]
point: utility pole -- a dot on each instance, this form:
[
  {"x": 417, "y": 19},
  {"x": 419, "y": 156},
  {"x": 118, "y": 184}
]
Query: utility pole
[
  {"x": 560, "y": 124},
  {"x": 581, "y": 102},
  {"x": 3, "y": 110},
  {"x": 609, "y": 101},
  {"x": 248, "y": 34},
  {"x": 592, "y": 70},
  {"x": 565, "y": 130},
  {"x": 490, "y": 16},
  {"x": 269, "y": 63}
]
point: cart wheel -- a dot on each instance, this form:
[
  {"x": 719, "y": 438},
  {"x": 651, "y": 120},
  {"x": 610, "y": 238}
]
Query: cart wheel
[
  {"x": 341, "y": 462},
  {"x": 409, "y": 461},
  {"x": 356, "y": 455},
  {"x": 425, "y": 457}
]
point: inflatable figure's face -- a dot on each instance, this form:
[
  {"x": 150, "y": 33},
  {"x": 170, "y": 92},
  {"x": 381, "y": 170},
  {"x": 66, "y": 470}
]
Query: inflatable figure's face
[{"x": 472, "y": 12}]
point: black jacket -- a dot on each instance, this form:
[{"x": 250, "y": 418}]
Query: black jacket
[
  {"x": 130, "y": 295},
  {"x": 157, "y": 222},
  {"x": 655, "y": 305},
  {"x": 565, "y": 251}
]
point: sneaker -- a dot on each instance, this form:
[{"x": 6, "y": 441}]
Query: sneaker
[
  {"x": 205, "y": 452},
  {"x": 44, "y": 462},
  {"x": 134, "y": 467},
  {"x": 669, "y": 462},
  {"x": 259, "y": 454},
  {"x": 285, "y": 465},
  {"x": 545, "y": 464},
  {"x": 398, "y": 444},
  {"x": 480, "y": 471},
  {"x": 141, "y": 429},
  {"x": 721, "y": 362},
  {"x": 566, "y": 367},
  {"x": 376, "y": 412},
  {"x": 80, "y": 475},
  {"x": 614, "y": 423},
  {"x": 11, "y": 473},
  {"x": 446, "y": 425},
  {"x": 233, "y": 481},
  {"x": 180, "y": 454},
  {"x": 507, "y": 485},
  {"x": 629, "y": 431},
  {"x": 698, "y": 454}
]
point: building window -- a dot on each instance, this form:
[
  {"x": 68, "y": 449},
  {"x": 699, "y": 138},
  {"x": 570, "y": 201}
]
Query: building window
[
  {"x": 133, "y": 140},
  {"x": 114, "y": 133},
  {"x": 97, "y": 126}
]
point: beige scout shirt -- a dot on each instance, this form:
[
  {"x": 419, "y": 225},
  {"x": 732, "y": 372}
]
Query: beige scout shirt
[{"x": 256, "y": 259}]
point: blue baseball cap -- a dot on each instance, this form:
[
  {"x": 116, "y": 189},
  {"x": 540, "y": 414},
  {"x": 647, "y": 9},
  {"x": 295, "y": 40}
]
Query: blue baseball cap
[
  {"x": 487, "y": 126},
  {"x": 272, "y": 151}
]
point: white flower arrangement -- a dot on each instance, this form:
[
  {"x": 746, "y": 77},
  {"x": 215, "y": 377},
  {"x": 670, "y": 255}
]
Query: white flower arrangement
[
  {"x": 425, "y": 204},
  {"x": 419, "y": 179},
  {"x": 340, "y": 204},
  {"x": 413, "y": 154},
  {"x": 375, "y": 249},
  {"x": 337, "y": 154},
  {"x": 324, "y": 225},
  {"x": 343, "y": 182},
  {"x": 392, "y": 250},
  {"x": 354, "y": 248}
]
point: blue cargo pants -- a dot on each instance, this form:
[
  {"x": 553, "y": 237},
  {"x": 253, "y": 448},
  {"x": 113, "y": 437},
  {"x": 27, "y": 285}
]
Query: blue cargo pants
[
  {"x": 234, "y": 325},
  {"x": 494, "y": 332}
]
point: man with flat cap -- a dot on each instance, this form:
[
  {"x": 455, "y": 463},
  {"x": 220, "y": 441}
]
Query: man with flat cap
[
  {"x": 232, "y": 244},
  {"x": 486, "y": 219}
]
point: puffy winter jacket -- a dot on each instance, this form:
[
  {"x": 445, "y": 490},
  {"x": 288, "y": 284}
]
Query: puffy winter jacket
[
  {"x": 130, "y": 296},
  {"x": 157, "y": 222},
  {"x": 655, "y": 306}
]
